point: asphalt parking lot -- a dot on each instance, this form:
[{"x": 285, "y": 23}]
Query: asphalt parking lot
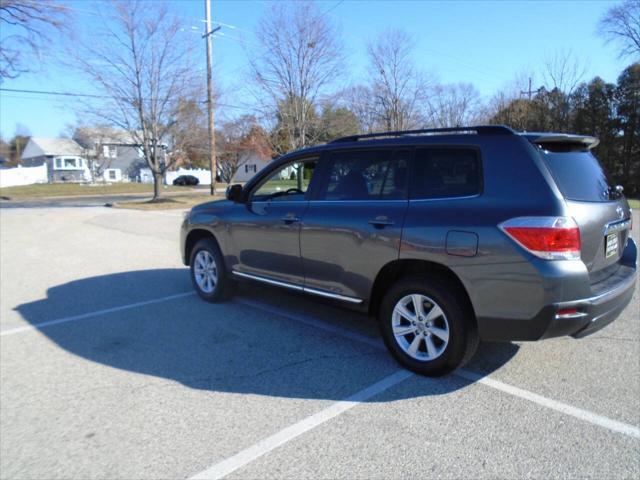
[{"x": 112, "y": 368}]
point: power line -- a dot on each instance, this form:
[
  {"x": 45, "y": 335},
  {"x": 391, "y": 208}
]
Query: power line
[
  {"x": 330, "y": 9},
  {"x": 44, "y": 92},
  {"x": 90, "y": 95}
]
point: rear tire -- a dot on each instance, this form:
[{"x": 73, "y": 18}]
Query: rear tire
[
  {"x": 208, "y": 273},
  {"x": 427, "y": 325}
]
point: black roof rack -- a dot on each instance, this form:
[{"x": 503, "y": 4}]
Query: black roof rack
[{"x": 480, "y": 130}]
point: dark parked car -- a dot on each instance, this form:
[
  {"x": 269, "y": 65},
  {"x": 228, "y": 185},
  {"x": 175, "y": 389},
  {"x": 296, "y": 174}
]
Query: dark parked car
[
  {"x": 447, "y": 237},
  {"x": 184, "y": 180}
]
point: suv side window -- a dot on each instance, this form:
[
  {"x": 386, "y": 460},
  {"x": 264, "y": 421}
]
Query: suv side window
[
  {"x": 444, "y": 172},
  {"x": 366, "y": 175},
  {"x": 289, "y": 182}
]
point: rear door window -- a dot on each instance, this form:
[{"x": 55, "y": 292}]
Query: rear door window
[
  {"x": 377, "y": 174},
  {"x": 578, "y": 175},
  {"x": 443, "y": 172}
]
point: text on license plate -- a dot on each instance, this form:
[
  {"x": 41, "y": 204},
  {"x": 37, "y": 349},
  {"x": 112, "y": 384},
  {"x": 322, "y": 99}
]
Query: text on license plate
[{"x": 611, "y": 245}]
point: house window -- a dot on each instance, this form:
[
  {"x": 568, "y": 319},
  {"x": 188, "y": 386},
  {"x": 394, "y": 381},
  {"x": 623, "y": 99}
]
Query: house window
[
  {"x": 109, "y": 151},
  {"x": 68, "y": 163},
  {"x": 250, "y": 169},
  {"x": 112, "y": 174}
]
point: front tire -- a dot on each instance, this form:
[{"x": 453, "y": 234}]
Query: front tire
[
  {"x": 427, "y": 325},
  {"x": 208, "y": 273}
]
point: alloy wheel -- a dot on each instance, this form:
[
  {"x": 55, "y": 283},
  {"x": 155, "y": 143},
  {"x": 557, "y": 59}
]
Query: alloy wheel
[
  {"x": 420, "y": 327},
  {"x": 205, "y": 271}
]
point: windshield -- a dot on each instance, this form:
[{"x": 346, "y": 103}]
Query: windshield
[{"x": 579, "y": 176}]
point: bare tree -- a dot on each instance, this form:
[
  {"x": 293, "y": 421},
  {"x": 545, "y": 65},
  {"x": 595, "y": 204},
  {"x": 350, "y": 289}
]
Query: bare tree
[
  {"x": 563, "y": 71},
  {"x": 26, "y": 25},
  {"x": 300, "y": 55},
  {"x": 359, "y": 100},
  {"x": 454, "y": 106},
  {"x": 621, "y": 24},
  {"x": 398, "y": 88},
  {"x": 140, "y": 63},
  {"x": 188, "y": 136}
]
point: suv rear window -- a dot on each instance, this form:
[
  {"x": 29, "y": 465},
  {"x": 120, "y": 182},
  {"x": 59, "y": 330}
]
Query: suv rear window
[
  {"x": 446, "y": 172},
  {"x": 579, "y": 175}
]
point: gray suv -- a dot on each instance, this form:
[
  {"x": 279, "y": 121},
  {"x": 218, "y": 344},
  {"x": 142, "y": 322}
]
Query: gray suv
[{"x": 447, "y": 236}]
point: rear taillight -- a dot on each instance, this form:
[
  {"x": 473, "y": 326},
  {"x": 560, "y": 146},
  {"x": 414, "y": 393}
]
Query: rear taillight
[{"x": 551, "y": 238}]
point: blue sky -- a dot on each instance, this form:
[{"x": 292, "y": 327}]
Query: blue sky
[{"x": 485, "y": 43}]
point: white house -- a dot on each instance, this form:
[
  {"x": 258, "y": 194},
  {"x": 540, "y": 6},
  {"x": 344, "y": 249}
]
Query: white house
[
  {"x": 62, "y": 156},
  {"x": 249, "y": 166},
  {"x": 115, "y": 153},
  {"x": 253, "y": 163}
]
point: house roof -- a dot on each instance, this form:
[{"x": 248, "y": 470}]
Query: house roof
[
  {"x": 89, "y": 136},
  {"x": 51, "y": 146}
]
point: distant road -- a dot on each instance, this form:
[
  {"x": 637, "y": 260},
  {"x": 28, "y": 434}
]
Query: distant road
[
  {"x": 89, "y": 200},
  {"x": 67, "y": 202}
]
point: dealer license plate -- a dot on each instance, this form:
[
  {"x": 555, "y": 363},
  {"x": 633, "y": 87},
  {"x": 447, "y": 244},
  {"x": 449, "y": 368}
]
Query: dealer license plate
[{"x": 611, "y": 245}]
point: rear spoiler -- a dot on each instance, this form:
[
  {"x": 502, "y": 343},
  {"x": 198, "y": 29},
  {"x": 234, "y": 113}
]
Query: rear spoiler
[{"x": 562, "y": 138}]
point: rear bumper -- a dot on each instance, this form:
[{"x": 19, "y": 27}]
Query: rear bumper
[
  {"x": 596, "y": 312},
  {"x": 592, "y": 313}
]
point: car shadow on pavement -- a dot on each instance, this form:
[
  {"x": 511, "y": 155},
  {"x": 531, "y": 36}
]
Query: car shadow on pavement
[{"x": 246, "y": 346}]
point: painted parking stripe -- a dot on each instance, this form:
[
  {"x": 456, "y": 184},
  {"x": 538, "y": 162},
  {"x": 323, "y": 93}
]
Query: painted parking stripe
[
  {"x": 585, "y": 415},
  {"x": 248, "y": 455},
  {"x": 49, "y": 323},
  {"x": 253, "y": 452},
  {"x": 590, "y": 417}
]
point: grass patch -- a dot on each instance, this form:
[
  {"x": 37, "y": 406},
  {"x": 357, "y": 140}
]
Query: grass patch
[
  {"x": 168, "y": 203},
  {"x": 79, "y": 189},
  {"x": 634, "y": 203}
]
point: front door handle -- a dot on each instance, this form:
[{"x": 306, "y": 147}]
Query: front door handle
[
  {"x": 289, "y": 219},
  {"x": 381, "y": 221}
]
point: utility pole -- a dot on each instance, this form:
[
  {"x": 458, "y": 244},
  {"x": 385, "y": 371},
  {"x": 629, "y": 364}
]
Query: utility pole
[
  {"x": 210, "y": 110},
  {"x": 530, "y": 92}
]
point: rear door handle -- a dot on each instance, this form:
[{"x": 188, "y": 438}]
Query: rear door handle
[
  {"x": 381, "y": 221},
  {"x": 289, "y": 219}
]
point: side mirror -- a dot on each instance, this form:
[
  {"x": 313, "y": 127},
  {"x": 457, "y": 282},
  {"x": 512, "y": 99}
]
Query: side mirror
[{"x": 234, "y": 193}]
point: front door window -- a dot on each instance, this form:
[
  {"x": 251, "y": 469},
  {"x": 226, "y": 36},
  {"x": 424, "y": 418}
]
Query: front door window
[{"x": 289, "y": 182}]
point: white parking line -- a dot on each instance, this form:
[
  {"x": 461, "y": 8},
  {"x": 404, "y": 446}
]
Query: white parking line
[
  {"x": 587, "y": 416},
  {"x": 263, "y": 447},
  {"x": 576, "y": 412},
  {"x": 48, "y": 323},
  {"x": 248, "y": 455}
]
